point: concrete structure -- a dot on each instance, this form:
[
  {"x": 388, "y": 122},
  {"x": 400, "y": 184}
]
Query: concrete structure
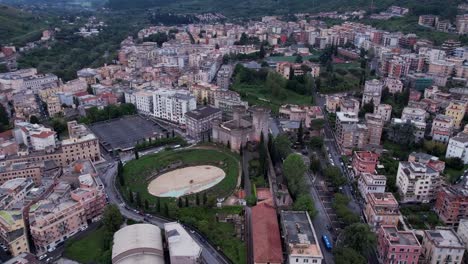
[
  {"x": 364, "y": 162},
  {"x": 452, "y": 203},
  {"x": 226, "y": 100},
  {"x": 300, "y": 238},
  {"x": 35, "y": 136},
  {"x": 143, "y": 101},
  {"x": 462, "y": 231},
  {"x": 223, "y": 78},
  {"x": 24, "y": 258},
  {"x": 13, "y": 232},
  {"x": 332, "y": 103},
  {"x": 199, "y": 122},
  {"x": 374, "y": 123},
  {"x": 372, "y": 92},
  {"x": 139, "y": 243},
  {"x": 266, "y": 235},
  {"x": 419, "y": 127},
  {"x": 381, "y": 209},
  {"x": 414, "y": 114},
  {"x": 348, "y": 133},
  {"x": 417, "y": 182},
  {"x": 393, "y": 85},
  {"x": 396, "y": 246},
  {"x": 442, "y": 245},
  {"x": 18, "y": 170},
  {"x": 182, "y": 248},
  {"x": 349, "y": 105},
  {"x": 384, "y": 110},
  {"x": 371, "y": 183},
  {"x": 458, "y": 146},
  {"x": 238, "y": 131},
  {"x": 456, "y": 110},
  {"x": 13, "y": 192}
]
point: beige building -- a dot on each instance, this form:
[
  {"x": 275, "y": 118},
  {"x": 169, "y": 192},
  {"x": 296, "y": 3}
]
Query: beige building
[
  {"x": 372, "y": 92},
  {"x": 393, "y": 85},
  {"x": 456, "y": 110},
  {"x": 442, "y": 245},
  {"x": 349, "y": 105},
  {"x": 384, "y": 110},
  {"x": 332, "y": 103},
  {"x": 53, "y": 105},
  {"x": 183, "y": 249},
  {"x": 139, "y": 243},
  {"x": 381, "y": 209},
  {"x": 13, "y": 170},
  {"x": 374, "y": 125},
  {"x": 200, "y": 122},
  {"x": 417, "y": 182},
  {"x": 13, "y": 232},
  {"x": 14, "y": 191},
  {"x": 303, "y": 114}
]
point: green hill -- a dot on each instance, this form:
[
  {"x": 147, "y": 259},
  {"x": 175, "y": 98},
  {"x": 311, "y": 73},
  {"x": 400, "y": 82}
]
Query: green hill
[{"x": 18, "y": 27}]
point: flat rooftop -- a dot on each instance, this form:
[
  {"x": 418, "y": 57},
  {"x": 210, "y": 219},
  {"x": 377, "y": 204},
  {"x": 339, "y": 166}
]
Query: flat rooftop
[
  {"x": 124, "y": 133},
  {"x": 298, "y": 231},
  {"x": 401, "y": 237},
  {"x": 445, "y": 238}
]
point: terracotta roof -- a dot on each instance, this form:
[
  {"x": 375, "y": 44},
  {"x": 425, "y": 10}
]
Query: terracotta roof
[
  {"x": 43, "y": 134},
  {"x": 7, "y": 134},
  {"x": 266, "y": 235}
]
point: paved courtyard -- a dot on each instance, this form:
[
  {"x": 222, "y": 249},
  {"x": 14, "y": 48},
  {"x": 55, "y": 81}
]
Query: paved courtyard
[{"x": 124, "y": 133}]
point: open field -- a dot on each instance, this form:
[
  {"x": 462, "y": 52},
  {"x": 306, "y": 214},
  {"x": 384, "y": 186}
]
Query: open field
[
  {"x": 185, "y": 181},
  {"x": 87, "y": 249}
]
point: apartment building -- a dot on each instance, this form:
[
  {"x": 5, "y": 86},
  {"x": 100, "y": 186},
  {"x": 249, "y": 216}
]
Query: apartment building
[
  {"x": 303, "y": 114},
  {"x": 143, "y": 101},
  {"x": 300, "y": 238},
  {"x": 462, "y": 232},
  {"x": 442, "y": 127},
  {"x": 223, "y": 78},
  {"x": 462, "y": 24},
  {"x": 427, "y": 159},
  {"x": 14, "y": 191},
  {"x": 374, "y": 125},
  {"x": 381, "y": 209},
  {"x": 458, "y": 146},
  {"x": 349, "y": 133},
  {"x": 13, "y": 231},
  {"x": 172, "y": 105},
  {"x": 332, "y": 103},
  {"x": 384, "y": 110},
  {"x": 393, "y": 85},
  {"x": 35, "y": 136},
  {"x": 10, "y": 170},
  {"x": 54, "y": 106},
  {"x": 225, "y": 100},
  {"x": 372, "y": 92},
  {"x": 414, "y": 114},
  {"x": 199, "y": 122},
  {"x": 395, "y": 246},
  {"x": 37, "y": 82},
  {"x": 442, "y": 245},
  {"x": 364, "y": 162},
  {"x": 371, "y": 183},
  {"x": 452, "y": 203},
  {"x": 456, "y": 109},
  {"x": 417, "y": 182},
  {"x": 349, "y": 105}
]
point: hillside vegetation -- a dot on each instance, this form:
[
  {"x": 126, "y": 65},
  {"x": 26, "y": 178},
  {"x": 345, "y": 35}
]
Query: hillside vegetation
[{"x": 17, "y": 26}]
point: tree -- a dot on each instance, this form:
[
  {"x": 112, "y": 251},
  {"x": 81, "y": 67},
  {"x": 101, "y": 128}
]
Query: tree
[
  {"x": 186, "y": 201},
  {"x": 305, "y": 203},
  {"x": 90, "y": 90},
  {"x": 120, "y": 173},
  {"x": 34, "y": 120},
  {"x": 111, "y": 218},
  {"x": 348, "y": 256},
  {"x": 158, "y": 204},
  {"x": 333, "y": 173},
  {"x": 228, "y": 144},
  {"x": 4, "y": 119},
  {"x": 205, "y": 198},
  {"x": 197, "y": 199},
  {"x": 137, "y": 156},
  {"x": 300, "y": 134},
  {"x": 299, "y": 59},
  {"x": 146, "y": 204},
  {"x": 166, "y": 209},
  {"x": 455, "y": 163},
  {"x": 130, "y": 196},
  {"x": 138, "y": 200},
  {"x": 359, "y": 237},
  {"x": 262, "y": 51},
  {"x": 294, "y": 169},
  {"x": 179, "y": 202},
  {"x": 367, "y": 108},
  {"x": 314, "y": 165},
  {"x": 283, "y": 146},
  {"x": 316, "y": 142}
]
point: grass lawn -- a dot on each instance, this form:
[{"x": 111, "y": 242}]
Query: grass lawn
[
  {"x": 88, "y": 249},
  {"x": 421, "y": 216},
  {"x": 346, "y": 75},
  {"x": 260, "y": 95}
]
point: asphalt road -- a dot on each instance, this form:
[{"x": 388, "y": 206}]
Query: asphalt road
[{"x": 209, "y": 253}]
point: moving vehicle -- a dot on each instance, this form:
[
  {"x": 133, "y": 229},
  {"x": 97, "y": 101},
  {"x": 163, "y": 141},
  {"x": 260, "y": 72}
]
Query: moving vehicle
[{"x": 327, "y": 242}]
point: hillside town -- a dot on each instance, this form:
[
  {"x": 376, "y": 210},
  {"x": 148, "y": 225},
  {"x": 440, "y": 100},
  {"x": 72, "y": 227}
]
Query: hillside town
[{"x": 340, "y": 132}]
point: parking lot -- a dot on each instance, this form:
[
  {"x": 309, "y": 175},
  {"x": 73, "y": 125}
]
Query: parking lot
[
  {"x": 326, "y": 198},
  {"x": 124, "y": 133}
]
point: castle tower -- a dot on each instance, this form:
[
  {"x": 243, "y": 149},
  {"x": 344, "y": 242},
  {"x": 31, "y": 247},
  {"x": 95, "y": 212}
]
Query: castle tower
[
  {"x": 260, "y": 121},
  {"x": 238, "y": 111}
]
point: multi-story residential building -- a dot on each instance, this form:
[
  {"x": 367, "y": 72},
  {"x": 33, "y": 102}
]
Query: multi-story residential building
[
  {"x": 143, "y": 101},
  {"x": 458, "y": 146},
  {"x": 371, "y": 183},
  {"x": 172, "y": 105},
  {"x": 428, "y": 20},
  {"x": 54, "y": 106},
  {"x": 364, "y": 162},
  {"x": 350, "y": 105},
  {"x": 456, "y": 109},
  {"x": 332, "y": 103},
  {"x": 374, "y": 125},
  {"x": 14, "y": 191},
  {"x": 303, "y": 114},
  {"x": 13, "y": 232},
  {"x": 442, "y": 127},
  {"x": 81, "y": 144},
  {"x": 225, "y": 100},
  {"x": 395, "y": 246},
  {"x": 393, "y": 85},
  {"x": 35, "y": 136},
  {"x": 372, "y": 92},
  {"x": 300, "y": 238},
  {"x": 35, "y": 83},
  {"x": 10, "y": 170},
  {"x": 462, "y": 231},
  {"x": 414, "y": 114},
  {"x": 384, "y": 110},
  {"x": 288, "y": 69},
  {"x": 381, "y": 209},
  {"x": 417, "y": 182},
  {"x": 462, "y": 24},
  {"x": 223, "y": 78},
  {"x": 442, "y": 245},
  {"x": 427, "y": 159},
  {"x": 452, "y": 203},
  {"x": 199, "y": 122},
  {"x": 346, "y": 129}
]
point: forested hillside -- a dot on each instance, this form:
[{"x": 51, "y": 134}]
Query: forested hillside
[{"x": 19, "y": 26}]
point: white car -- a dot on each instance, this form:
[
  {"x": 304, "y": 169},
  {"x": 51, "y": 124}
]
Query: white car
[
  {"x": 41, "y": 257},
  {"x": 51, "y": 249}
]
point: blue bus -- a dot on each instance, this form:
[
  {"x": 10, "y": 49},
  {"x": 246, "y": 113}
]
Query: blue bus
[{"x": 327, "y": 242}]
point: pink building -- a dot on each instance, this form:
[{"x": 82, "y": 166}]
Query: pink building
[
  {"x": 364, "y": 161},
  {"x": 381, "y": 209},
  {"x": 396, "y": 246}
]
